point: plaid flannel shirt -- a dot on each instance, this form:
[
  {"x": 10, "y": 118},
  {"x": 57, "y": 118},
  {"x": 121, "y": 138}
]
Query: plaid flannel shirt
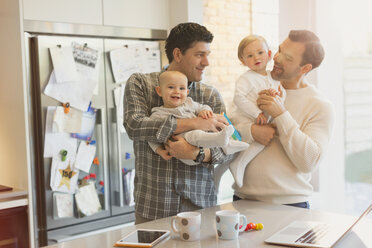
[{"x": 160, "y": 184}]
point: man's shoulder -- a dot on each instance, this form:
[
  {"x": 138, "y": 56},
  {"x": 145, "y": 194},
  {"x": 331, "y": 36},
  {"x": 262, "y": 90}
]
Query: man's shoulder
[
  {"x": 204, "y": 87},
  {"x": 150, "y": 79}
]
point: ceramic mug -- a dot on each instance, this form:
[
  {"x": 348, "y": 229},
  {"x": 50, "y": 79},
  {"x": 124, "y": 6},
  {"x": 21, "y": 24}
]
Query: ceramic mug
[
  {"x": 187, "y": 225},
  {"x": 228, "y": 222}
]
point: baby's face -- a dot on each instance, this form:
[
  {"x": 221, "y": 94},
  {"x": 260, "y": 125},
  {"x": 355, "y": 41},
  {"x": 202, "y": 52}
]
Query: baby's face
[
  {"x": 174, "y": 91},
  {"x": 256, "y": 56}
]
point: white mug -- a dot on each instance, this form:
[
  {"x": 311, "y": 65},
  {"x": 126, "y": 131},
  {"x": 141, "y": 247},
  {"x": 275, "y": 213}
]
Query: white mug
[
  {"x": 228, "y": 222},
  {"x": 187, "y": 225}
]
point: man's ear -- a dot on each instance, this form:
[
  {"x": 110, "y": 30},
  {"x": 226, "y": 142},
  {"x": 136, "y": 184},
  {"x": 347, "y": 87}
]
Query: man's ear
[
  {"x": 306, "y": 68},
  {"x": 188, "y": 91},
  {"x": 158, "y": 90},
  {"x": 177, "y": 54}
]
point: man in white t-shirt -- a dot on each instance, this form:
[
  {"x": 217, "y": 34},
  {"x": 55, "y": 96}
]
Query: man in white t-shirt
[{"x": 302, "y": 128}]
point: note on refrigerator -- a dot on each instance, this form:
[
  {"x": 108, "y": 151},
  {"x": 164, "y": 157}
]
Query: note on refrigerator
[
  {"x": 63, "y": 205},
  {"x": 119, "y": 103},
  {"x": 87, "y": 200},
  {"x": 151, "y": 62},
  {"x": 87, "y": 63},
  {"x": 85, "y": 156},
  {"x": 64, "y": 64},
  {"x": 78, "y": 94},
  {"x": 126, "y": 61},
  {"x": 55, "y": 142},
  {"x": 88, "y": 123},
  {"x": 67, "y": 122},
  {"x": 63, "y": 176}
]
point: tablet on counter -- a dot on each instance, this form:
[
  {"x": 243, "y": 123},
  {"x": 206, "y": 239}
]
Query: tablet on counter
[{"x": 142, "y": 238}]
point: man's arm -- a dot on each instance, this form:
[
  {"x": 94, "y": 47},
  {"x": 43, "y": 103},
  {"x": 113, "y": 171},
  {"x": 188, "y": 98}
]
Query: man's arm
[{"x": 305, "y": 146}]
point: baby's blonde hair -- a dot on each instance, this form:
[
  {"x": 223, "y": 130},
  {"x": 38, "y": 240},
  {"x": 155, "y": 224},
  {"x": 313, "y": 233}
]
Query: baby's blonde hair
[
  {"x": 166, "y": 75},
  {"x": 248, "y": 40}
]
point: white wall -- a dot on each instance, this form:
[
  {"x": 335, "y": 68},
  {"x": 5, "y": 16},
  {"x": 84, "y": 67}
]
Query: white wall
[
  {"x": 330, "y": 75},
  {"x": 13, "y": 136}
]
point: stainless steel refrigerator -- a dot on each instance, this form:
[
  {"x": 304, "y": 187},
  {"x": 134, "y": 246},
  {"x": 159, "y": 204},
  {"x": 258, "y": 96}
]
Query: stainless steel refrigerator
[{"x": 113, "y": 148}]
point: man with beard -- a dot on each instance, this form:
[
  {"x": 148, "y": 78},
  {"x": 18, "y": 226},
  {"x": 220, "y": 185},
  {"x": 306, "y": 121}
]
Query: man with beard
[{"x": 297, "y": 141}]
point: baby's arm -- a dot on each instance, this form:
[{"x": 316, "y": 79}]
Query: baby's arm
[
  {"x": 261, "y": 119},
  {"x": 159, "y": 149},
  {"x": 205, "y": 114}
]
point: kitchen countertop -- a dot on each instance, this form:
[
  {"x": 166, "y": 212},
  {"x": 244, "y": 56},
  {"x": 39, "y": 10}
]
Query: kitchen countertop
[
  {"x": 13, "y": 198},
  {"x": 274, "y": 218}
]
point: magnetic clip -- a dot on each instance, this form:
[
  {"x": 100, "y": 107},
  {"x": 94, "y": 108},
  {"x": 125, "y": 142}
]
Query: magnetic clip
[
  {"x": 67, "y": 107},
  {"x": 90, "y": 103},
  {"x": 96, "y": 161},
  {"x": 63, "y": 155}
]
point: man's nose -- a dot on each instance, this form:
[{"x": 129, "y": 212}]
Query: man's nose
[
  {"x": 276, "y": 57},
  {"x": 205, "y": 61}
]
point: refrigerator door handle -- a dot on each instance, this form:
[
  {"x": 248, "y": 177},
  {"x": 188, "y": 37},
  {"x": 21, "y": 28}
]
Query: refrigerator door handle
[
  {"x": 105, "y": 157},
  {"x": 119, "y": 157}
]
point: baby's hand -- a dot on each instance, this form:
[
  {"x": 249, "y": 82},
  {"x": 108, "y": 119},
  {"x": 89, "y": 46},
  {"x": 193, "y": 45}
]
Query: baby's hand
[
  {"x": 273, "y": 92},
  {"x": 205, "y": 114},
  {"x": 261, "y": 119},
  {"x": 163, "y": 153}
]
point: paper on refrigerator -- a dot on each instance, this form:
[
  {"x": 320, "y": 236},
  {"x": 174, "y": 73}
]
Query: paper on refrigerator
[
  {"x": 55, "y": 142},
  {"x": 87, "y": 200},
  {"x": 119, "y": 103},
  {"x": 77, "y": 92},
  {"x": 126, "y": 61},
  {"x": 63, "y": 176},
  {"x": 85, "y": 156},
  {"x": 63, "y": 205},
  {"x": 87, "y": 63},
  {"x": 67, "y": 122},
  {"x": 63, "y": 63}
]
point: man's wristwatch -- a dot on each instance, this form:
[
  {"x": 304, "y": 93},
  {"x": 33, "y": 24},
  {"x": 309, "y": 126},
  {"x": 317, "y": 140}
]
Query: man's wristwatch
[{"x": 201, "y": 155}]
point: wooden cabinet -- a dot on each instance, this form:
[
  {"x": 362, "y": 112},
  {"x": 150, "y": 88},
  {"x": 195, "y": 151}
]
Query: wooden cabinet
[
  {"x": 66, "y": 11},
  {"x": 14, "y": 228}
]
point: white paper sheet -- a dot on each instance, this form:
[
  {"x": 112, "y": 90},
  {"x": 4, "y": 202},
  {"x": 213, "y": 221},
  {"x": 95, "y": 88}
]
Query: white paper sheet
[
  {"x": 63, "y": 178},
  {"x": 87, "y": 63},
  {"x": 87, "y": 125},
  {"x": 85, "y": 156},
  {"x": 63, "y": 205},
  {"x": 87, "y": 200},
  {"x": 78, "y": 94},
  {"x": 151, "y": 61},
  {"x": 64, "y": 64},
  {"x": 55, "y": 142},
  {"x": 119, "y": 103},
  {"x": 126, "y": 61},
  {"x": 67, "y": 123}
]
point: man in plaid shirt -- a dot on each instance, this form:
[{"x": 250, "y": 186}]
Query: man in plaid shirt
[{"x": 167, "y": 187}]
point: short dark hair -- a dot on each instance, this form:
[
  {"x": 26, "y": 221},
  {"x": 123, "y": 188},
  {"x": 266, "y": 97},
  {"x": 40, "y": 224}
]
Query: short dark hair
[
  {"x": 314, "y": 52},
  {"x": 184, "y": 35}
]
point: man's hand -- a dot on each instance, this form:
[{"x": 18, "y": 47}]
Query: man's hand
[
  {"x": 179, "y": 148},
  {"x": 216, "y": 123},
  {"x": 273, "y": 105},
  {"x": 263, "y": 134}
]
